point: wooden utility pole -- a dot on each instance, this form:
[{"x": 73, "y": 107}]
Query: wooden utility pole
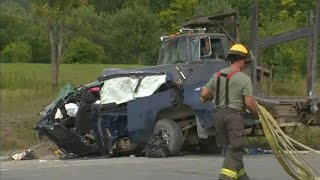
[
  {"x": 316, "y": 29},
  {"x": 254, "y": 43},
  {"x": 309, "y": 54}
]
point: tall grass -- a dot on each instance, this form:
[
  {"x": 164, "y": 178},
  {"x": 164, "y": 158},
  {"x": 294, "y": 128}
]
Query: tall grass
[
  {"x": 32, "y": 76},
  {"x": 292, "y": 88},
  {"x": 26, "y": 88}
]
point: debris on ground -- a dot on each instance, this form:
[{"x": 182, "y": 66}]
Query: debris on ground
[
  {"x": 255, "y": 150},
  {"x": 25, "y": 155},
  {"x": 67, "y": 156},
  {"x": 157, "y": 148},
  {"x": 45, "y": 149},
  {"x": 58, "y": 152}
]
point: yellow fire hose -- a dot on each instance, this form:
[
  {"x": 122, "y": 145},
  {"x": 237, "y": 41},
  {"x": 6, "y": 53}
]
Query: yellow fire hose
[{"x": 283, "y": 148}]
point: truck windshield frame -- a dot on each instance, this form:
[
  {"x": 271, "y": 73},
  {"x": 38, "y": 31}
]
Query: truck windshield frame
[
  {"x": 195, "y": 48},
  {"x": 173, "y": 51}
]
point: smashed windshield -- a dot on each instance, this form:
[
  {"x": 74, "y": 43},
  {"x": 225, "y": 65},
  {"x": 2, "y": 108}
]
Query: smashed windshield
[{"x": 173, "y": 51}]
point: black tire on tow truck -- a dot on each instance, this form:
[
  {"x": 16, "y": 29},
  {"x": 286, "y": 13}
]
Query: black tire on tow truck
[{"x": 172, "y": 133}]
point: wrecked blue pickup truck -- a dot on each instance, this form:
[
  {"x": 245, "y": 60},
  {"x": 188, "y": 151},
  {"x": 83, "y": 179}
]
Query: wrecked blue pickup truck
[{"x": 120, "y": 113}]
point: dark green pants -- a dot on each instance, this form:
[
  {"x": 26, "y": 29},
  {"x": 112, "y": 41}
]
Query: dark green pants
[{"x": 230, "y": 136}]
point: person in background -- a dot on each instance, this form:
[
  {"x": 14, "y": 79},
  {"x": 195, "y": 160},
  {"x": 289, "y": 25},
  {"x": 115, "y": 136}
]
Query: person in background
[{"x": 205, "y": 50}]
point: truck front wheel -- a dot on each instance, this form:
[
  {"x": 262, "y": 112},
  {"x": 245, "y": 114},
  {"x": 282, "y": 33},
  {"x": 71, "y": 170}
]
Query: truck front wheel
[{"x": 171, "y": 133}]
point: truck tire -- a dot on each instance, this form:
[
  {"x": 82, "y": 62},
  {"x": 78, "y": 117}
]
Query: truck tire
[{"x": 172, "y": 133}]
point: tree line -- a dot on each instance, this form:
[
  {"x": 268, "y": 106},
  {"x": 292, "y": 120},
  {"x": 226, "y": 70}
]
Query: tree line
[{"x": 128, "y": 31}]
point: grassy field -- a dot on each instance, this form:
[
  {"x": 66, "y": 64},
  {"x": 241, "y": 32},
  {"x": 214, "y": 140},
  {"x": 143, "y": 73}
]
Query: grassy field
[
  {"x": 292, "y": 88},
  {"x": 25, "y": 89}
]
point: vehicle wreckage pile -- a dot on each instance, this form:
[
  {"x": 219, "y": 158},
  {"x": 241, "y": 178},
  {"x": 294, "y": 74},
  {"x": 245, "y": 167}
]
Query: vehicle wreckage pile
[{"x": 103, "y": 117}]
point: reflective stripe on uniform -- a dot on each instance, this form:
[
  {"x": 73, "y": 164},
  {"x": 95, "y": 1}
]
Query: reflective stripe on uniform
[
  {"x": 241, "y": 172},
  {"x": 229, "y": 173}
]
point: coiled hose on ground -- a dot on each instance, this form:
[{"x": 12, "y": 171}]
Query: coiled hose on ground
[{"x": 284, "y": 149}]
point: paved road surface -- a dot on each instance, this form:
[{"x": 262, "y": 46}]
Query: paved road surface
[{"x": 188, "y": 167}]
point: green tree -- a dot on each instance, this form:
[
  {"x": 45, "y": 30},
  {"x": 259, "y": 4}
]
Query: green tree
[
  {"x": 82, "y": 50},
  {"x": 109, "y": 6},
  {"x": 288, "y": 60},
  {"x": 17, "y": 24},
  {"x": 133, "y": 35},
  {"x": 157, "y": 6},
  {"x": 16, "y": 52},
  {"x": 11, "y": 21},
  {"x": 86, "y": 22},
  {"x": 178, "y": 11},
  {"x": 52, "y": 14},
  {"x": 212, "y": 7}
]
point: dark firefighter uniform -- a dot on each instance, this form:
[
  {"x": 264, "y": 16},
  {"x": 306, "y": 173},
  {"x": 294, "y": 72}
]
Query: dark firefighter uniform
[{"x": 230, "y": 87}]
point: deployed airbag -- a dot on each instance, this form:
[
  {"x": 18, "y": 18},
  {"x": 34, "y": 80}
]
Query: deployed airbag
[
  {"x": 71, "y": 109},
  {"x": 124, "y": 89}
]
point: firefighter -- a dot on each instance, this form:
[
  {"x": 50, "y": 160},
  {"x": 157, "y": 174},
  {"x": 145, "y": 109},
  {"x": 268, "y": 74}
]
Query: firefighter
[{"x": 232, "y": 92}]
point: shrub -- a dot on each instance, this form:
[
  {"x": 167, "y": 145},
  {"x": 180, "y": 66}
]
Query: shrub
[
  {"x": 16, "y": 52},
  {"x": 82, "y": 50}
]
